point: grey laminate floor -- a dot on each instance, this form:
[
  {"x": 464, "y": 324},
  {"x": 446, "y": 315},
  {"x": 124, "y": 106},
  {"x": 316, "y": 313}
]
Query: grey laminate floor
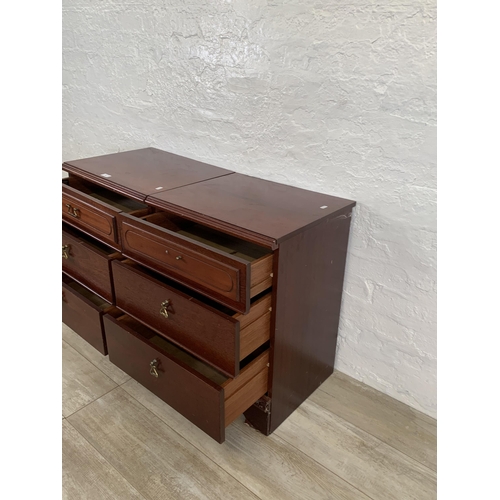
[{"x": 347, "y": 441}]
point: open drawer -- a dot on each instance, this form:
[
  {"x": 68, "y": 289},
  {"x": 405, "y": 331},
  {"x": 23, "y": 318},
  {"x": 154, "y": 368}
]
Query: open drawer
[
  {"x": 208, "y": 399},
  {"x": 93, "y": 209},
  {"x": 227, "y": 269},
  {"x": 88, "y": 262},
  {"x": 210, "y": 331},
  {"x": 82, "y": 311}
]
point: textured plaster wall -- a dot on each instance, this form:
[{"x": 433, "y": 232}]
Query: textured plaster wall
[{"x": 337, "y": 97}]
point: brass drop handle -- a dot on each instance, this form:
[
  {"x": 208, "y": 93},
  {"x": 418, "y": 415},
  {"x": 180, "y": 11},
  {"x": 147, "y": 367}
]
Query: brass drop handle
[
  {"x": 164, "y": 308},
  {"x": 74, "y": 212},
  {"x": 152, "y": 368},
  {"x": 65, "y": 251}
]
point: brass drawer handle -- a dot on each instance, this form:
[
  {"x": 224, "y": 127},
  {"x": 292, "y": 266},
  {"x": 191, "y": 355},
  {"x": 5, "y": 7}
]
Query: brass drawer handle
[
  {"x": 152, "y": 368},
  {"x": 74, "y": 212},
  {"x": 65, "y": 251},
  {"x": 179, "y": 257},
  {"x": 164, "y": 308}
]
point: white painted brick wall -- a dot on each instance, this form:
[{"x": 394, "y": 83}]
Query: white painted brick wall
[{"x": 337, "y": 97}]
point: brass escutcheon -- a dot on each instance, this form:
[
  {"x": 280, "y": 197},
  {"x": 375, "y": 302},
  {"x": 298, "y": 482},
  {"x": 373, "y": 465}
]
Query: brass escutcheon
[
  {"x": 164, "y": 308},
  {"x": 65, "y": 251},
  {"x": 152, "y": 368}
]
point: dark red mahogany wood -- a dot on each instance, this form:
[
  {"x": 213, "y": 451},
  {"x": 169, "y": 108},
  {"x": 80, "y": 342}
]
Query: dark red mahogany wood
[
  {"x": 94, "y": 218},
  {"x": 251, "y": 208},
  {"x": 81, "y": 315},
  {"x": 308, "y": 296},
  {"x": 199, "y": 329},
  {"x": 219, "y": 275},
  {"x": 308, "y": 233},
  {"x": 143, "y": 171},
  {"x": 88, "y": 264},
  {"x": 190, "y": 393}
]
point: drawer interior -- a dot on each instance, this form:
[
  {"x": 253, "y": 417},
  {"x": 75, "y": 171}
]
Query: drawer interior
[
  {"x": 208, "y": 236},
  {"x": 208, "y": 399},
  {"x": 239, "y": 393},
  {"x": 209, "y": 330},
  {"x": 99, "y": 193},
  {"x": 87, "y": 261},
  {"x": 89, "y": 241},
  {"x": 97, "y": 301},
  {"x": 83, "y": 311},
  {"x": 243, "y": 318},
  {"x": 172, "y": 350}
]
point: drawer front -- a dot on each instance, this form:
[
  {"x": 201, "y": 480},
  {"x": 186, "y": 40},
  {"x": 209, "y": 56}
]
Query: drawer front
[
  {"x": 199, "y": 329},
  {"x": 197, "y": 398},
  {"x": 83, "y": 317},
  {"x": 218, "y": 275},
  {"x": 87, "y": 265},
  {"x": 89, "y": 215}
]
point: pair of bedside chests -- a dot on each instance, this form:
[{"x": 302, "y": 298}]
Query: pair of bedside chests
[{"x": 217, "y": 291}]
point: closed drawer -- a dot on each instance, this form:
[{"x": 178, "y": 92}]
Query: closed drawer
[
  {"x": 228, "y": 270},
  {"x": 211, "y": 332},
  {"x": 197, "y": 391},
  {"x": 82, "y": 311},
  {"x": 88, "y": 262},
  {"x": 93, "y": 209}
]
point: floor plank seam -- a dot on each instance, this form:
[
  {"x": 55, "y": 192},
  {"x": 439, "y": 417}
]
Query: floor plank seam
[
  {"x": 325, "y": 467},
  {"x": 300, "y": 452},
  {"x": 381, "y": 395},
  {"x": 374, "y": 436},
  {"x": 93, "y": 364},
  {"x": 346, "y": 480},
  {"x": 110, "y": 464},
  {"x": 88, "y": 404},
  {"x": 378, "y": 403},
  {"x": 194, "y": 446}
]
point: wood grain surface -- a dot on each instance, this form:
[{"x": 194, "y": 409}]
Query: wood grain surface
[
  {"x": 97, "y": 359},
  {"x": 249, "y": 207},
  {"x": 82, "y": 382},
  {"x": 150, "y": 455},
  {"x": 364, "y": 461},
  {"x": 212, "y": 272},
  {"x": 90, "y": 215},
  {"x": 124, "y": 172},
  {"x": 185, "y": 389},
  {"x": 200, "y": 329},
  {"x": 405, "y": 429},
  {"x": 86, "y": 474},
  {"x": 160, "y": 454},
  {"x": 80, "y": 313},
  {"x": 308, "y": 295},
  {"x": 88, "y": 264},
  {"x": 268, "y": 466}
]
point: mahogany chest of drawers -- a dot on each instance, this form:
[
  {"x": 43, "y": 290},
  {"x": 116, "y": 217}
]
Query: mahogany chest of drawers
[{"x": 219, "y": 292}]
